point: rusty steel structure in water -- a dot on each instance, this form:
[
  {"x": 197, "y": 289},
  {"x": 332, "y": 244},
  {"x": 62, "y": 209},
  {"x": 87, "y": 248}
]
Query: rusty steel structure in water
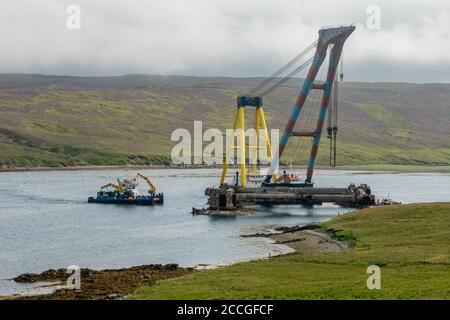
[{"x": 286, "y": 189}]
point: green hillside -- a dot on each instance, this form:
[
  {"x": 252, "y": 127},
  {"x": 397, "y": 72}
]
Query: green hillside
[{"x": 63, "y": 121}]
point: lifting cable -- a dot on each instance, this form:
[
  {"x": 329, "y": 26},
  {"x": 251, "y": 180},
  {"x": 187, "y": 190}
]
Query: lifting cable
[
  {"x": 274, "y": 76},
  {"x": 286, "y": 78}
]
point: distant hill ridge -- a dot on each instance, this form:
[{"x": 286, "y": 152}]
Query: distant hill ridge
[{"x": 64, "y": 120}]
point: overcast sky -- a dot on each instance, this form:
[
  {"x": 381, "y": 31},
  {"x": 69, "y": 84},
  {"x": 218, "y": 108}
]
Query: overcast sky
[{"x": 222, "y": 37}]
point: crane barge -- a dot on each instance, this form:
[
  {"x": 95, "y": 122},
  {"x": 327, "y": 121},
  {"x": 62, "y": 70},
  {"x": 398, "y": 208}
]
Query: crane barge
[
  {"x": 269, "y": 188},
  {"x": 126, "y": 192}
]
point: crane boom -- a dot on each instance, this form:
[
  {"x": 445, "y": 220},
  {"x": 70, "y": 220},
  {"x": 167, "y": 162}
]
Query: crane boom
[
  {"x": 112, "y": 185},
  {"x": 149, "y": 182},
  {"x": 330, "y": 36}
]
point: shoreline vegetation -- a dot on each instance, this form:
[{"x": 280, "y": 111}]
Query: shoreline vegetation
[
  {"x": 330, "y": 260},
  {"x": 408, "y": 242},
  {"x": 373, "y": 167}
]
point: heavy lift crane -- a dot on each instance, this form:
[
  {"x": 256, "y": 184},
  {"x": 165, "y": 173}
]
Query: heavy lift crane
[
  {"x": 333, "y": 38},
  {"x": 327, "y": 37},
  {"x": 273, "y": 191}
]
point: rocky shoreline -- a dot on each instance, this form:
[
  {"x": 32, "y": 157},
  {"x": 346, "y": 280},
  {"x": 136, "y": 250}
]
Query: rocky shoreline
[
  {"x": 98, "y": 284},
  {"x": 307, "y": 239}
]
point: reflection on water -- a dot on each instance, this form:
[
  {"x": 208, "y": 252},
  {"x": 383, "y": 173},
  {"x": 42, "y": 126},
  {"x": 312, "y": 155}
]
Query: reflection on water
[{"x": 45, "y": 221}]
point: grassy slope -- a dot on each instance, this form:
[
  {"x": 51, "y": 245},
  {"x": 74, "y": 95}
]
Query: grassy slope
[
  {"x": 410, "y": 243},
  {"x": 54, "y": 121}
]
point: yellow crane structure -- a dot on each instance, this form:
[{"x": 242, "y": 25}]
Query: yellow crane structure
[
  {"x": 239, "y": 128},
  {"x": 152, "y": 189},
  {"x": 112, "y": 185}
]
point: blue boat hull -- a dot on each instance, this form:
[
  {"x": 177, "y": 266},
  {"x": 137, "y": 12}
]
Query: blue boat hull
[{"x": 141, "y": 200}]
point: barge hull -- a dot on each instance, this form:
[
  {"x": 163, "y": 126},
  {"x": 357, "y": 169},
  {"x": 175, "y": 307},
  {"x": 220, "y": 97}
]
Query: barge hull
[
  {"x": 140, "y": 202},
  {"x": 233, "y": 197}
]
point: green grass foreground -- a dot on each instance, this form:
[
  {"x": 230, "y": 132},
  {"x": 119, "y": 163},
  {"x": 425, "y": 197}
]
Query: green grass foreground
[{"x": 410, "y": 243}]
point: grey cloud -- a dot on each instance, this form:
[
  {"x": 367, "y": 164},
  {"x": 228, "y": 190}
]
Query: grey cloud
[{"x": 218, "y": 37}]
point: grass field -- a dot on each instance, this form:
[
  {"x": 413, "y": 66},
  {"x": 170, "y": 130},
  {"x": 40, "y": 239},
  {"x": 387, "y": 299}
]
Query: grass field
[{"x": 410, "y": 243}]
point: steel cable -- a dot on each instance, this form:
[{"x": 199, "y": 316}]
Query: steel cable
[{"x": 283, "y": 69}]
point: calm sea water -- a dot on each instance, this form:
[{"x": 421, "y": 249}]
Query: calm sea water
[{"x": 45, "y": 221}]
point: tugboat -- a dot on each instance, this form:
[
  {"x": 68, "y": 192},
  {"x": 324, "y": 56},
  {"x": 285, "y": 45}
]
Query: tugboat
[{"x": 126, "y": 192}]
